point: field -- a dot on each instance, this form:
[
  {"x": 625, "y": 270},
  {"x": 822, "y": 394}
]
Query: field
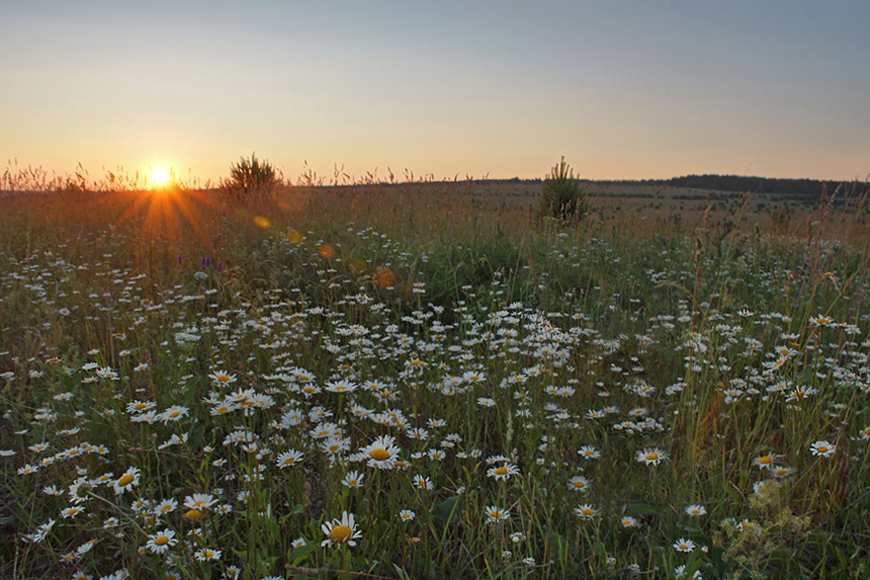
[{"x": 419, "y": 380}]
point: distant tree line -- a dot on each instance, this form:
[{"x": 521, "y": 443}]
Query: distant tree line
[
  {"x": 794, "y": 188},
  {"x": 802, "y": 187}
]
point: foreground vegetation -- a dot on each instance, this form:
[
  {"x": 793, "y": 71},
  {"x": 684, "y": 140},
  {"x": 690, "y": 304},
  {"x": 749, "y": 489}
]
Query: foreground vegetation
[{"x": 375, "y": 381}]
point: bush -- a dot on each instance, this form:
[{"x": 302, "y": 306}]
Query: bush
[
  {"x": 562, "y": 197},
  {"x": 251, "y": 180}
]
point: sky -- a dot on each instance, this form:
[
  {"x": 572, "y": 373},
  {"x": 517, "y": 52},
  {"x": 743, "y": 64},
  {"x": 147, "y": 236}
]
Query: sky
[{"x": 623, "y": 89}]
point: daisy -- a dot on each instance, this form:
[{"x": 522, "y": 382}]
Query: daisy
[
  {"x": 436, "y": 454},
  {"x": 695, "y": 510},
  {"x": 342, "y": 386},
  {"x": 585, "y": 511},
  {"x": 140, "y": 505},
  {"x": 111, "y": 523},
  {"x": 129, "y": 480},
  {"x": 407, "y": 515},
  {"x": 173, "y": 413},
  {"x": 288, "y": 458},
  {"x": 28, "y": 469},
  {"x": 353, "y": 479},
  {"x": 41, "y": 532},
  {"x": 220, "y": 377},
  {"x": 335, "y": 445},
  {"x": 589, "y": 452},
  {"x": 79, "y": 489},
  {"x": 651, "y": 456},
  {"x": 418, "y": 433},
  {"x": 578, "y": 483},
  {"x": 199, "y": 501},
  {"x": 780, "y": 471},
  {"x": 166, "y": 506},
  {"x": 422, "y": 482},
  {"x": 207, "y": 554},
  {"x": 192, "y": 515},
  {"x": 822, "y": 449},
  {"x": 222, "y": 408},
  {"x": 382, "y": 453},
  {"x": 149, "y": 417},
  {"x": 495, "y": 514},
  {"x": 683, "y": 545},
  {"x": 342, "y": 531},
  {"x": 105, "y": 478},
  {"x": 161, "y": 541},
  {"x": 503, "y": 472},
  {"x": 71, "y": 512},
  {"x": 629, "y": 522},
  {"x": 139, "y": 406},
  {"x": 765, "y": 461}
]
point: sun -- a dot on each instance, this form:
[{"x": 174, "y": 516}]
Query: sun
[{"x": 160, "y": 176}]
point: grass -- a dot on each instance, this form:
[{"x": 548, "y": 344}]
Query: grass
[{"x": 487, "y": 399}]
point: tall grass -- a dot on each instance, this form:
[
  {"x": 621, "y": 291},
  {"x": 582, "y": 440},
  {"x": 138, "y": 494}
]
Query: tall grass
[{"x": 557, "y": 398}]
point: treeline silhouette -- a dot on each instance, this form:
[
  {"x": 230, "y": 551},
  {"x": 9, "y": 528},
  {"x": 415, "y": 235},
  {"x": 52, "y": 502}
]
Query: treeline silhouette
[{"x": 802, "y": 187}]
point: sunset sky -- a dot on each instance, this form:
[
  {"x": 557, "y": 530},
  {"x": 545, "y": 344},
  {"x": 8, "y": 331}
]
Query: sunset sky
[{"x": 622, "y": 88}]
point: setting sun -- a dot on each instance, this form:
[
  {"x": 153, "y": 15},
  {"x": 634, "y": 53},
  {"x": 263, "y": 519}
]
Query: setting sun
[{"x": 160, "y": 176}]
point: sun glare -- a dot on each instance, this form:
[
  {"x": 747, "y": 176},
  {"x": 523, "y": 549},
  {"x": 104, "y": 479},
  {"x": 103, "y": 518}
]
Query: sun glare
[{"x": 159, "y": 176}]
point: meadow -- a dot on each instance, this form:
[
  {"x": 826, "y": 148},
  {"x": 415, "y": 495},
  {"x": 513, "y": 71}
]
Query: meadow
[{"x": 414, "y": 380}]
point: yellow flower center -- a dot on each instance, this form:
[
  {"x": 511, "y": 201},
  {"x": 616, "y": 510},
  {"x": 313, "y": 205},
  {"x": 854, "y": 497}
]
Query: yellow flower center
[
  {"x": 125, "y": 480},
  {"x": 579, "y": 484},
  {"x": 587, "y": 512},
  {"x": 223, "y": 379},
  {"x": 340, "y": 534},
  {"x": 193, "y": 515},
  {"x": 501, "y": 471},
  {"x": 766, "y": 460},
  {"x": 165, "y": 508},
  {"x": 822, "y": 449},
  {"x": 140, "y": 406},
  {"x": 174, "y": 414},
  {"x": 161, "y": 540},
  {"x": 652, "y": 456},
  {"x": 379, "y": 454}
]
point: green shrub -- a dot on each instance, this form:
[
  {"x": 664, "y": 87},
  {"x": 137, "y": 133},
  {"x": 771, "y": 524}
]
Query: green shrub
[
  {"x": 251, "y": 180},
  {"x": 562, "y": 197}
]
